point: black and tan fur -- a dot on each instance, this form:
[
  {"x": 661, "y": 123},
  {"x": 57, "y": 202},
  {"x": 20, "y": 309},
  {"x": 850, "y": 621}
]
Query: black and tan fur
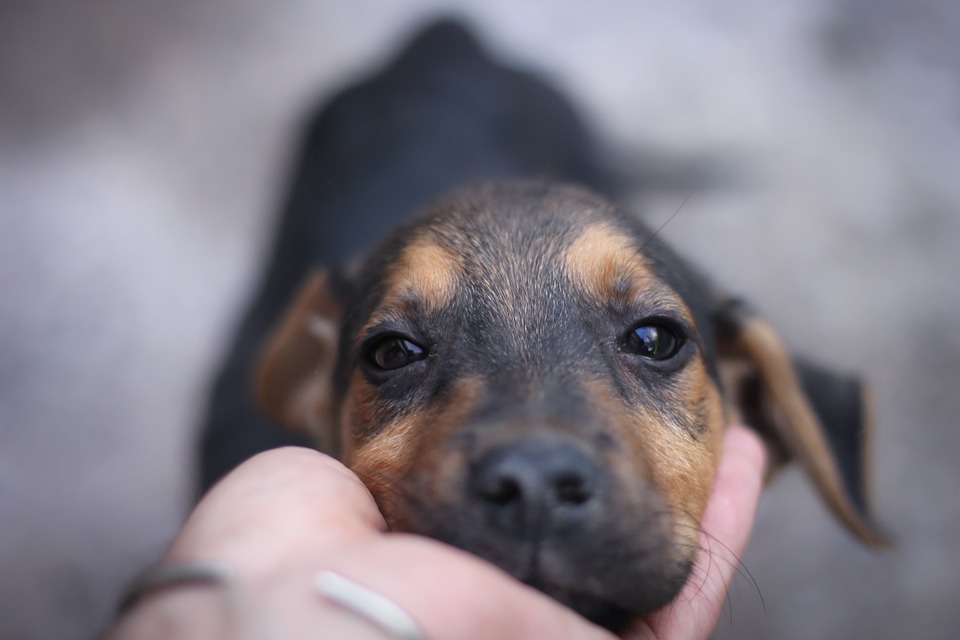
[
  {"x": 523, "y": 297},
  {"x": 481, "y": 370}
]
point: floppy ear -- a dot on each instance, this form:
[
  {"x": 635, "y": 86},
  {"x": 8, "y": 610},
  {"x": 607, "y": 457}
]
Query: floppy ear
[
  {"x": 802, "y": 410},
  {"x": 294, "y": 377}
]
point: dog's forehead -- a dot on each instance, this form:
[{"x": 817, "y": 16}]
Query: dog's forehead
[{"x": 522, "y": 244}]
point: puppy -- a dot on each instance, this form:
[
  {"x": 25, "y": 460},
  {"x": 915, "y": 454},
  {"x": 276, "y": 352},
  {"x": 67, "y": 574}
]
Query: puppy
[{"x": 523, "y": 370}]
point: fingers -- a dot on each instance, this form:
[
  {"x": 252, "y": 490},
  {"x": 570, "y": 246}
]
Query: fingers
[
  {"x": 279, "y": 502},
  {"x": 726, "y": 525}
]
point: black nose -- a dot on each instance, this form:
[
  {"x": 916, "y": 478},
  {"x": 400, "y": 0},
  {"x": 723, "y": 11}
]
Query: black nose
[{"x": 535, "y": 486}]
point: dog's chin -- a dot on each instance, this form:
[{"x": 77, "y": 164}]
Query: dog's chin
[
  {"x": 614, "y": 609},
  {"x": 597, "y": 610},
  {"x": 600, "y": 612}
]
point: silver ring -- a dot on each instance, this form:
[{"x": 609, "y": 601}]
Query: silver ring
[
  {"x": 369, "y": 605},
  {"x": 172, "y": 575}
]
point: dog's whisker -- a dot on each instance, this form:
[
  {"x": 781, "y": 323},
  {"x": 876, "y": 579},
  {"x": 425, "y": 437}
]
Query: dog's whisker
[
  {"x": 727, "y": 556},
  {"x": 668, "y": 220}
]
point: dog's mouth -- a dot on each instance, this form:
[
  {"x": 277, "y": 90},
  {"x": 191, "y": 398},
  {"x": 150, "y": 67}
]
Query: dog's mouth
[
  {"x": 597, "y": 609},
  {"x": 608, "y": 578}
]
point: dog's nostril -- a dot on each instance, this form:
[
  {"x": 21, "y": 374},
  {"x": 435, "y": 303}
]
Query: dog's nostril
[
  {"x": 571, "y": 489},
  {"x": 568, "y": 489},
  {"x": 500, "y": 490},
  {"x": 535, "y": 481}
]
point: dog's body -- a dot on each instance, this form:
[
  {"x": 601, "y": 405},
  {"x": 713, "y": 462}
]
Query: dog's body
[{"x": 522, "y": 370}]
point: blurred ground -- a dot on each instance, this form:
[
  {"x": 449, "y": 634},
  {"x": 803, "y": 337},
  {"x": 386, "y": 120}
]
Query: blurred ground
[{"x": 142, "y": 151}]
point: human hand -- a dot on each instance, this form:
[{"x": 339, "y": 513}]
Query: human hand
[{"x": 288, "y": 514}]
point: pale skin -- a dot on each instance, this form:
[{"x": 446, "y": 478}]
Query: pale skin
[{"x": 287, "y": 514}]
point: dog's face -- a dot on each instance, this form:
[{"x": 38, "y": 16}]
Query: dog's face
[
  {"x": 524, "y": 383},
  {"x": 524, "y": 373}
]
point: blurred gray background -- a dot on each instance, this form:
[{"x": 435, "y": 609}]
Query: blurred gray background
[{"x": 143, "y": 147}]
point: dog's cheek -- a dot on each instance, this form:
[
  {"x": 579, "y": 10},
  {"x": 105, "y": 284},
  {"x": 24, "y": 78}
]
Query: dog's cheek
[
  {"x": 687, "y": 461},
  {"x": 409, "y": 464},
  {"x": 357, "y": 417},
  {"x": 384, "y": 462},
  {"x": 672, "y": 448},
  {"x": 439, "y": 465},
  {"x": 376, "y": 449}
]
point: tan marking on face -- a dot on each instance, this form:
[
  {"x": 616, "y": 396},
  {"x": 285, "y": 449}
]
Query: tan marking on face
[
  {"x": 412, "y": 443},
  {"x": 392, "y": 450},
  {"x": 662, "y": 452},
  {"x": 424, "y": 271},
  {"x": 604, "y": 263}
]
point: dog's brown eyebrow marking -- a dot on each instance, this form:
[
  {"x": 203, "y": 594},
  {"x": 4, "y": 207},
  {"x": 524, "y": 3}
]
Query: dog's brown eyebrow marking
[
  {"x": 603, "y": 262},
  {"x": 606, "y": 265},
  {"x": 425, "y": 272}
]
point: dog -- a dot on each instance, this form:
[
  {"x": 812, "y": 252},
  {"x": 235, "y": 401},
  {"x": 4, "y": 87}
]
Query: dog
[{"x": 522, "y": 369}]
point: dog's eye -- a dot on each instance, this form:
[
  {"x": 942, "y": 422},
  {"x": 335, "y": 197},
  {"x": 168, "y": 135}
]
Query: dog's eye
[
  {"x": 394, "y": 352},
  {"x": 654, "y": 341}
]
